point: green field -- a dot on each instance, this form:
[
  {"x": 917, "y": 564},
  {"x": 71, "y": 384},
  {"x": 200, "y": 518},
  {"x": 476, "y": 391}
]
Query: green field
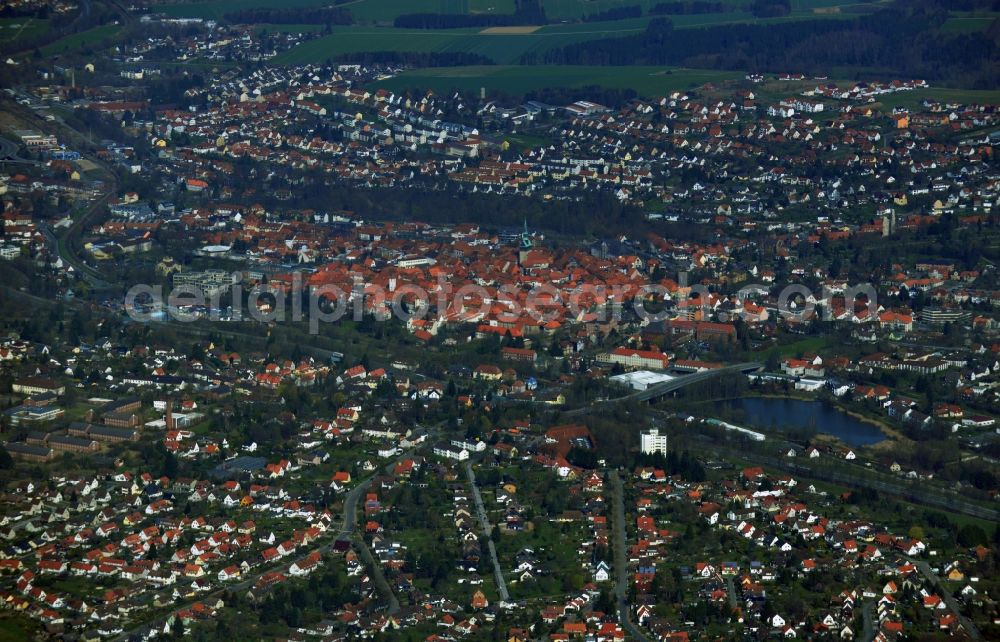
[
  {"x": 912, "y": 99},
  {"x": 14, "y": 29},
  {"x": 273, "y": 28},
  {"x": 969, "y": 21},
  {"x": 502, "y": 48},
  {"x": 88, "y": 38},
  {"x": 517, "y": 79},
  {"x": 15, "y": 628},
  {"x": 363, "y": 10}
]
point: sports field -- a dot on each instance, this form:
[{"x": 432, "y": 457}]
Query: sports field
[{"x": 516, "y": 79}]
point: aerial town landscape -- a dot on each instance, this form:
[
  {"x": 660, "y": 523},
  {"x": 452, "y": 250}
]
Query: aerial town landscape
[{"x": 505, "y": 320}]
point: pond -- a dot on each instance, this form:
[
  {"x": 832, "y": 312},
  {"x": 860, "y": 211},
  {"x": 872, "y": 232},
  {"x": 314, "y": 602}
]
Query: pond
[{"x": 795, "y": 415}]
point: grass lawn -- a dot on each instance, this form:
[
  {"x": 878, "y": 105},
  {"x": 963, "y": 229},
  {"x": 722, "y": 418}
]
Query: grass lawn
[
  {"x": 520, "y": 141},
  {"x": 80, "y": 40},
  {"x": 812, "y": 344},
  {"x": 516, "y": 79},
  {"x": 14, "y": 29},
  {"x": 14, "y": 628}
]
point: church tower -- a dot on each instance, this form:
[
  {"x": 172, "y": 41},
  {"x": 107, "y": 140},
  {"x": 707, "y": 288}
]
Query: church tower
[{"x": 526, "y": 245}]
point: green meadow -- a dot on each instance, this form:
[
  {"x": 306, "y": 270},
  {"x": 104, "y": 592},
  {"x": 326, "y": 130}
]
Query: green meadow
[
  {"x": 88, "y": 38},
  {"x": 14, "y": 29}
]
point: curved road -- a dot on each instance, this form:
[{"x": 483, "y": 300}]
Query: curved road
[{"x": 8, "y": 153}]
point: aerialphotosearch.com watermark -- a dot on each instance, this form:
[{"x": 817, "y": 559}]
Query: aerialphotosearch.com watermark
[{"x": 472, "y": 302}]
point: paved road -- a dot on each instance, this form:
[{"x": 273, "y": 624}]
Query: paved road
[
  {"x": 84, "y": 272},
  {"x": 350, "y": 514},
  {"x": 949, "y": 599},
  {"x": 621, "y": 562},
  {"x": 731, "y": 593},
  {"x": 8, "y": 153},
  {"x": 488, "y": 532},
  {"x": 66, "y": 254},
  {"x": 868, "y": 616},
  {"x": 98, "y": 207}
]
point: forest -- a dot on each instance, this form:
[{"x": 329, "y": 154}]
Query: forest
[{"x": 903, "y": 39}]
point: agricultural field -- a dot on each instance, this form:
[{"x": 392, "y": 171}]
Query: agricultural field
[
  {"x": 514, "y": 79},
  {"x": 88, "y": 38},
  {"x": 503, "y": 48},
  {"x": 385, "y": 11},
  {"x": 363, "y": 10}
]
